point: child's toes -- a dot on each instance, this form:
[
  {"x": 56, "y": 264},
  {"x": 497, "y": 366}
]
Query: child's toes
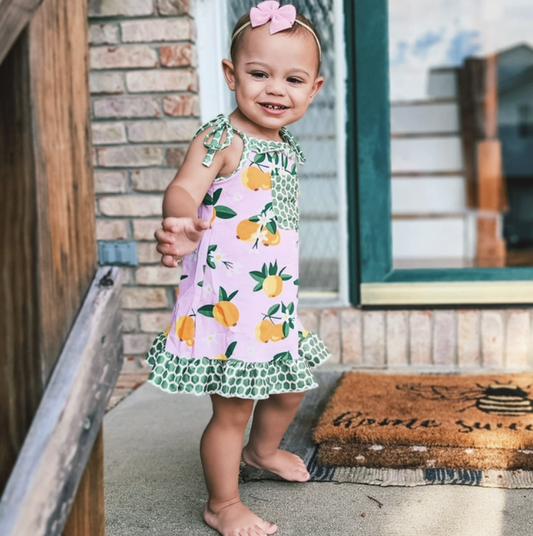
[{"x": 269, "y": 528}]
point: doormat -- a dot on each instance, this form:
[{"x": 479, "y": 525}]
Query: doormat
[
  {"x": 429, "y": 421},
  {"x": 299, "y": 440}
]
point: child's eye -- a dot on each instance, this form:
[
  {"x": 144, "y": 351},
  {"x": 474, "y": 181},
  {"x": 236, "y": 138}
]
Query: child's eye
[
  {"x": 258, "y": 74},
  {"x": 293, "y": 80}
]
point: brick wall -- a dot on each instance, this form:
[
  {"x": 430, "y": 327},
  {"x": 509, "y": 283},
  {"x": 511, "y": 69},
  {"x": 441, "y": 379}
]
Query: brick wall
[
  {"x": 145, "y": 109},
  {"x": 429, "y": 340}
]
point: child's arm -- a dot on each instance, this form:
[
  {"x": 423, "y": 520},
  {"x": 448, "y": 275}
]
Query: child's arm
[{"x": 181, "y": 228}]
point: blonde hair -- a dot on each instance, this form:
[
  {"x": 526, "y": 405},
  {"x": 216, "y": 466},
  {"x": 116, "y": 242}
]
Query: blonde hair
[{"x": 303, "y": 25}]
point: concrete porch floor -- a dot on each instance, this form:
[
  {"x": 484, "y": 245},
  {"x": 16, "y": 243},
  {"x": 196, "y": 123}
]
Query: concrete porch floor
[{"x": 154, "y": 486}]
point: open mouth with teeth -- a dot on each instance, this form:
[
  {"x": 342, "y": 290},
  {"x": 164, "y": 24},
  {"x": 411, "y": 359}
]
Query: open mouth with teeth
[{"x": 274, "y": 107}]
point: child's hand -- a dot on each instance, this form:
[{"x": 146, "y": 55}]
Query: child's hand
[{"x": 178, "y": 237}]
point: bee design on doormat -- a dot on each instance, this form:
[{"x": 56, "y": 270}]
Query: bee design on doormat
[{"x": 495, "y": 399}]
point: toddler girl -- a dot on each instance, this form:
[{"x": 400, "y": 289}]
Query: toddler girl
[{"x": 231, "y": 217}]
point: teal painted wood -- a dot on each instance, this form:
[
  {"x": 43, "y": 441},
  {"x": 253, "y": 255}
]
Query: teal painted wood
[
  {"x": 368, "y": 151},
  {"x": 373, "y": 138},
  {"x": 459, "y": 274},
  {"x": 352, "y": 189}
]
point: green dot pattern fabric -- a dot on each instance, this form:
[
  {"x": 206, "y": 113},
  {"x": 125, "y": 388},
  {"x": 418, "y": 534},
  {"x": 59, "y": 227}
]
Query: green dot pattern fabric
[
  {"x": 234, "y": 378},
  {"x": 284, "y": 199}
]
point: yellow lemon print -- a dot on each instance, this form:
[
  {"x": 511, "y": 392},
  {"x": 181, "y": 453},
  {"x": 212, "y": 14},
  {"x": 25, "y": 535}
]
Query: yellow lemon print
[
  {"x": 272, "y": 286},
  {"x": 221, "y": 357},
  {"x": 277, "y": 333},
  {"x": 246, "y": 229},
  {"x": 263, "y": 330},
  {"x": 225, "y": 313},
  {"x": 253, "y": 178},
  {"x": 271, "y": 239},
  {"x": 185, "y": 329}
]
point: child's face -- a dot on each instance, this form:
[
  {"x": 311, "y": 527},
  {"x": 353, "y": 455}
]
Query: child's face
[{"x": 274, "y": 76}]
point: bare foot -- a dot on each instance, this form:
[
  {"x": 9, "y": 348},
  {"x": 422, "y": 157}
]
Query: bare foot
[
  {"x": 237, "y": 520},
  {"x": 284, "y": 464}
]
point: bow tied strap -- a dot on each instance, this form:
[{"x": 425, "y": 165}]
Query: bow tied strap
[
  {"x": 212, "y": 142},
  {"x": 282, "y": 18}
]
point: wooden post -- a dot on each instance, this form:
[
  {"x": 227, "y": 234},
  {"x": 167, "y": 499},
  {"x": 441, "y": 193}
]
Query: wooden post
[
  {"x": 47, "y": 243},
  {"x": 482, "y": 156}
]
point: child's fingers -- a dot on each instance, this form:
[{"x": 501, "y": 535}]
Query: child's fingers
[
  {"x": 163, "y": 236},
  {"x": 196, "y": 230},
  {"x": 169, "y": 261},
  {"x": 201, "y": 225}
]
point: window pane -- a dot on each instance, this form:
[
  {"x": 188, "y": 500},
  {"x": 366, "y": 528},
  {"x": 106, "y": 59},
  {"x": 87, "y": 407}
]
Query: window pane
[{"x": 461, "y": 90}]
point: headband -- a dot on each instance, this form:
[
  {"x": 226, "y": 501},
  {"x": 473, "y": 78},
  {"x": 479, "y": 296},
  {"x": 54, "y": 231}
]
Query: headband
[{"x": 282, "y": 18}]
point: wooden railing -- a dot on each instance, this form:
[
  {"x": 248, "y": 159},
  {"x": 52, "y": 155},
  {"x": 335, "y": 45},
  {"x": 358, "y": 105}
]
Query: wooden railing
[{"x": 43, "y": 483}]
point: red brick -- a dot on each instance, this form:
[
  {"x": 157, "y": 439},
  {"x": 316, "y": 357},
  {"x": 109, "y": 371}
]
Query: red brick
[
  {"x": 351, "y": 336},
  {"x": 123, "y": 57},
  {"x": 468, "y": 338},
  {"x": 374, "y": 338},
  {"x": 173, "y": 7},
  {"x": 517, "y": 340},
  {"x": 444, "y": 338},
  {"x": 181, "y": 105},
  {"x": 397, "y": 338},
  {"x": 178, "y": 55}
]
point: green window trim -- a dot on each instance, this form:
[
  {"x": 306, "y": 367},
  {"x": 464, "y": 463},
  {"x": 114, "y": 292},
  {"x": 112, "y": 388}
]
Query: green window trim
[{"x": 369, "y": 186}]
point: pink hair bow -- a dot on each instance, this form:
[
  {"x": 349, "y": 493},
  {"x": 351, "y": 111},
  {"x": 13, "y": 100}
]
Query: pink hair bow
[{"x": 282, "y": 17}]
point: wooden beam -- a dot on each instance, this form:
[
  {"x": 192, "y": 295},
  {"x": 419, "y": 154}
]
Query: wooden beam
[
  {"x": 58, "y": 51},
  {"x": 87, "y": 516},
  {"x": 14, "y": 16},
  {"x": 43, "y": 483}
]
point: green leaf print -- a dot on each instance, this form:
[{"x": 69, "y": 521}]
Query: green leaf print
[
  {"x": 258, "y": 276},
  {"x": 208, "y": 200},
  {"x": 230, "y": 349},
  {"x": 258, "y": 158},
  {"x": 273, "y": 268},
  {"x": 232, "y": 295},
  {"x": 216, "y": 196},
  {"x": 285, "y": 329},
  {"x": 271, "y": 226},
  {"x": 222, "y": 296},
  {"x": 225, "y": 213},
  {"x": 273, "y": 310},
  {"x": 206, "y": 310}
]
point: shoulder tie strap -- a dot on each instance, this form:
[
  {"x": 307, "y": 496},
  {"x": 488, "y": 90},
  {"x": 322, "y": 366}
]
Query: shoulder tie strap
[
  {"x": 291, "y": 140},
  {"x": 212, "y": 141}
]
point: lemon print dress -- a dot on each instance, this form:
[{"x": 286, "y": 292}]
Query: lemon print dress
[{"x": 234, "y": 330}]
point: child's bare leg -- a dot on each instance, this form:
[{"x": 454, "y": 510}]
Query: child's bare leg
[
  {"x": 220, "y": 450},
  {"x": 271, "y": 419}
]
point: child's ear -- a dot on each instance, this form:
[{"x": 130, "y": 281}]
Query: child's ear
[
  {"x": 317, "y": 84},
  {"x": 229, "y": 73}
]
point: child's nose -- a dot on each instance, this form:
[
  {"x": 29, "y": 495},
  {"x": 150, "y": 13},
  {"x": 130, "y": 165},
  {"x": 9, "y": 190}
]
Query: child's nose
[{"x": 275, "y": 87}]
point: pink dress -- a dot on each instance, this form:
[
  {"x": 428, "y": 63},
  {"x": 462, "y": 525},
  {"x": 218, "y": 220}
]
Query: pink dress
[{"x": 234, "y": 329}]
